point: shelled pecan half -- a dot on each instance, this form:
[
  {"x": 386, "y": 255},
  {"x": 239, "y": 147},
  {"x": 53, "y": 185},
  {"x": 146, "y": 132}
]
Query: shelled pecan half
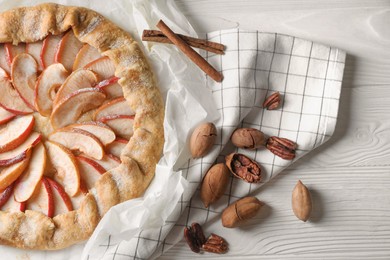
[
  {"x": 282, "y": 147},
  {"x": 272, "y": 102},
  {"x": 215, "y": 244},
  {"x": 194, "y": 237}
]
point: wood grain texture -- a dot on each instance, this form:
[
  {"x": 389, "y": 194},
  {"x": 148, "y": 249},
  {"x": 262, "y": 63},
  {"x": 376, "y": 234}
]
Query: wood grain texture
[{"x": 349, "y": 176}]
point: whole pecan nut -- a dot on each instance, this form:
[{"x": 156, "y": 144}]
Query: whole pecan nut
[
  {"x": 272, "y": 102},
  {"x": 241, "y": 210},
  {"x": 202, "y": 139},
  {"x": 282, "y": 147},
  {"x": 248, "y": 138},
  {"x": 214, "y": 184},
  {"x": 243, "y": 167},
  {"x": 215, "y": 244}
]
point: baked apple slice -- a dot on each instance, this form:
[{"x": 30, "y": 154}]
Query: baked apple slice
[
  {"x": 15, "y": 132},
  {"x": 103, "y": 66},
  {"x": 24, "y": 71},
  {"x": 98, "y": 129},
  {"x": 10, "y": 173},
  {"x": 115, "y": 148},
  {"x": 109, "y": 162},
  {"x": 78, "y": 140},
  {"x": 35, "y": 49},
  {"x": 20, "y": 153},
  {"x": 70, "y": 108},
  {"x": 3, "y": 59},
  {"x": 65, "y": 164},
  {"x": 5, "y": 116},
  {"x": 111, "y": 87},
  {"x": 61, "y": 199},
  {"x": 118, "y": 106},
  {"x": 49, "y": 49},
  {"x": 90, "y": 170},
  {"x": 85, "y": 55},
  {"x": 47, "y": 86},
  {"x": 10, "y": 204},
  {"x": 79, "y": 79},
  {"x": 13, "y": 50},
  {"x": 122, "y": 125},
  {"x": 10, "y": 98},
  {"x": 42, "y": 199},
  {"x": 6, "y": 194},
  {"x": 67, "y": 50},
  {"x": 31, "y": 176}
]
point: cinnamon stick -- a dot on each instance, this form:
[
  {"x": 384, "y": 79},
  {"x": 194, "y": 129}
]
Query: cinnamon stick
[
  {"x": 187, "y": 50},
  {"x": 158, "y": 36}
]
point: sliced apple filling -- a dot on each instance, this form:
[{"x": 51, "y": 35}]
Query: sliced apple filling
[{"x": 70, "y": 86}]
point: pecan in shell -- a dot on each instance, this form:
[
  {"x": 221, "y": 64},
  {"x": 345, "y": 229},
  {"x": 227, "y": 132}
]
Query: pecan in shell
[
  {"x": 248, "y": 138},
  {"x": 282, "y": 147},
  {"x": 272, "y": 102},
  {"x": 243, "y": 167}
]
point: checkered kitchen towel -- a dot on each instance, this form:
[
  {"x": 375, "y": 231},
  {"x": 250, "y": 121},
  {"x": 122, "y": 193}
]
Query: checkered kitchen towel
[{"x": 308, "y": 75}]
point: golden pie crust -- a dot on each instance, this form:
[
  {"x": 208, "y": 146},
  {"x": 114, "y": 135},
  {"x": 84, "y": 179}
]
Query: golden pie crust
[{"x": 34, "y": 230}]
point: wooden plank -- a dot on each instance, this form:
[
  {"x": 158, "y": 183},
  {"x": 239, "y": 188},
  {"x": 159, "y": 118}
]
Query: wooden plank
[{"x": 350, "y": 218}]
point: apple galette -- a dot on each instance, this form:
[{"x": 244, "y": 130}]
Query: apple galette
[{"x": 81, "y": 123}]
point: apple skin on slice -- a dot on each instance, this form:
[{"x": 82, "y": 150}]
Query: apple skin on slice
[
  {"x": 103, "y": 66},
  {"x": 79, "y": 140},
  {"x": 109, "y": 161},
  {"x": 35, "y": 49},
  {"x": 86, "y": 54},
  {"x": 13, "y": 50},
  {"x": 10, "y": 99},
  {"x": 10, "y": 204},
  {"x": 5, "y": 116},
  {"x": 116, "y": 147},
  {"x": 79, "y": 79},
  {"x": 65, "y": 164},
  {"x": 10, "y": 173},
  {"x": 20, "y": 153},
  {"x": 15, "y": 132},
  {"x": 49, "y": 49},
  {"x": 42, "y": 199},
  {"x": 67, "y": 50},
  {"x": 24, "y": 73},
  {"x": 3, "y": 59},
  {"x": 122, "y": 125},
  {"x": 98, "y": 129},
  {"x": 90, "y": 171},
  {"x": 31, "y": 176},
  {"x": 62, "y": 200},
  {"x": 111, "y": 87},
  {"x": 47, "y": 85},
  {"x": 70, "y": 108},
  {"x": 118, "y": 106},
  {"x": 6, "y": 194}
]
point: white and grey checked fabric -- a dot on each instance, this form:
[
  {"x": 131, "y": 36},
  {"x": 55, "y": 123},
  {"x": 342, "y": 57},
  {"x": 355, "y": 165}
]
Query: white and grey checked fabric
[{"x": 308, "y": 76}]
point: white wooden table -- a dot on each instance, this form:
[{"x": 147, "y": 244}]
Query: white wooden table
[{"x": 349, "y": 176}]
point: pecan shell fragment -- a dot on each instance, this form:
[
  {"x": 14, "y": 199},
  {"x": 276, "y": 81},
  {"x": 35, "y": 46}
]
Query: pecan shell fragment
[
  {"x": 272, "y": 102},
  {"x": 282, "y": 147},
  {"x": 243, "y": 167},
  {"x": 215, "y": 244}
]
